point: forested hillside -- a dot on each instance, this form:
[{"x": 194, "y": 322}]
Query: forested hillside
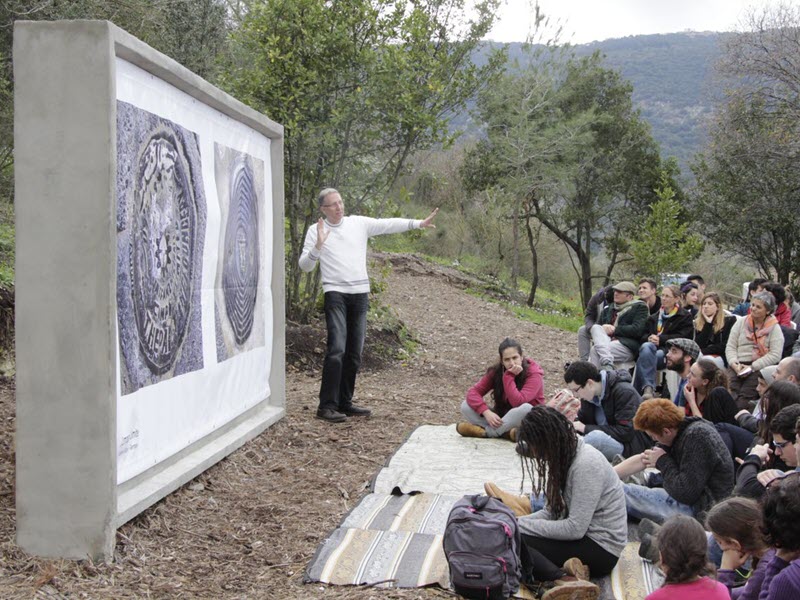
[{"x": 673, "y": 83}]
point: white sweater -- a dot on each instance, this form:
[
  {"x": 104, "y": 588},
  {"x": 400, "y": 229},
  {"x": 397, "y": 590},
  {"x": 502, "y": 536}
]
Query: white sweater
[
  {"x": 740, "y": 349},
  {"x": 343, "y": 258}
]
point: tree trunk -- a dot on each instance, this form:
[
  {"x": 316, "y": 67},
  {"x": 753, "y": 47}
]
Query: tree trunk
[
  {"x": 534, "y": 258},
  {"x": 585, "y": 261},
  {"x": 515, "y": 248}
]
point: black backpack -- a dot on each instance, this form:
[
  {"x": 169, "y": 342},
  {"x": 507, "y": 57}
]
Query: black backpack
[{"x": 481, "y": 543}]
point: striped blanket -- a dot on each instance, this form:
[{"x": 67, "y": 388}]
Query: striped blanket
[{"x": 395, "y": 540}]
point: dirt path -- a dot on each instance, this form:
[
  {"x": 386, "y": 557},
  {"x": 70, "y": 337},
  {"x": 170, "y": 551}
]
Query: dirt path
[{"x": 248, "y": 526}]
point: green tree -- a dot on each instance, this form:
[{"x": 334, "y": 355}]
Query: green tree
[
  {"x": 664, "y": 243},
  {"x": 748, "y": 176},
  {"x": 193, "y": 32},
  {"x": 748, "y": 185},
  {"x": 359, "y": 86},
  {"x": 565, "y": 143}
]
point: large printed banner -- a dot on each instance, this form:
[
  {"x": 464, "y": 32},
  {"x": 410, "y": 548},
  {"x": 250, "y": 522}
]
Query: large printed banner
[{"x": 194, "y": 258}]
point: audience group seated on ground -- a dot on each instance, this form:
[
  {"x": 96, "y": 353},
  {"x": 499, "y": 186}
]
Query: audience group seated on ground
[{"x": 694, "y": 410}]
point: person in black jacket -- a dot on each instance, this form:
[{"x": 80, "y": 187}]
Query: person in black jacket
[
  {"x": 752, "y": 479},
  {"x": 672, "y": 321},
  {"x": 712, "y": 328},
  {"x": 608, "y": 404},
  {"x": 696, "y": 466},
  {"x": 594, "y": 308}
]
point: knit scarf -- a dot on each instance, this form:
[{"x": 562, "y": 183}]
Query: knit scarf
[
  {"x": 662, "y": 316},
  {"x": 621, "y": 309},
  {"x": 759, "y": 336}
]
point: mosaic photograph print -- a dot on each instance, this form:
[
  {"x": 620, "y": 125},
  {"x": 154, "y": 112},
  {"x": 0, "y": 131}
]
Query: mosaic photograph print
[
  {"x": 239, "y": 313},
  {"x": 161, "y": 221}
]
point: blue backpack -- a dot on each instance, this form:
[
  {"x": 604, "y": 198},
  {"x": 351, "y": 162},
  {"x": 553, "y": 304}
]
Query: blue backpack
[{"x": 481, "y": 544}]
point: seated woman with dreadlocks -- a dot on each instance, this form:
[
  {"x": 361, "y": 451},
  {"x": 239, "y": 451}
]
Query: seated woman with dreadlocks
[
  {"x": 516, "y": 384},
  {"x": 581, "y": 521}
]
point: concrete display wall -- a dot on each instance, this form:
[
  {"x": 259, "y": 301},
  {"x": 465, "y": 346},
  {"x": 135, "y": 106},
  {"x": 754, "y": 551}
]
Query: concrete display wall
[{"x": 69, "y": 503}]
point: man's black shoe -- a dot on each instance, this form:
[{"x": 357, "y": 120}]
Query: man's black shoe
[
  {"x": 356, "y": 411},
  {"x": 330, "y": 415}
]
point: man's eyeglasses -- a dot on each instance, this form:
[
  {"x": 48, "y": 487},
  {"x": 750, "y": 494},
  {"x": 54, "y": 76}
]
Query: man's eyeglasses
[{"x": 781, "y": 445}]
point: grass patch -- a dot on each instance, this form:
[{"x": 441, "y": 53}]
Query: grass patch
[{"x": 542, "y": 316}]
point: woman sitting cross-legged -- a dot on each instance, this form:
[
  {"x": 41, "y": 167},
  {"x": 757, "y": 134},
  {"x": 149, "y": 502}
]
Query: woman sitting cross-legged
[
  {"x": 516, "y": 385},
  {"x": 580, "y": 519}
]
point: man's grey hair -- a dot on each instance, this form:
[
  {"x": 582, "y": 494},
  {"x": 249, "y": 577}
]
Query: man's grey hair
[
  {"x": 324, "y": 194},
  {"x": 767, "y": 298}
]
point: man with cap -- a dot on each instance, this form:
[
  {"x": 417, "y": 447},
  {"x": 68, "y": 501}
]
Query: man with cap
[
  {"x": 681, "y": 354},
  {"x": 670, "y": 322},
  {"x": 718, "y": 408},
  {"x": 617, "y": 332}
]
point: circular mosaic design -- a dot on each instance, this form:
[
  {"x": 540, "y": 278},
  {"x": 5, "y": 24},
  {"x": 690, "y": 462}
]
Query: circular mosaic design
[
  {"x": 163, "y": 250},
  {"x": 240, "y": 261}
]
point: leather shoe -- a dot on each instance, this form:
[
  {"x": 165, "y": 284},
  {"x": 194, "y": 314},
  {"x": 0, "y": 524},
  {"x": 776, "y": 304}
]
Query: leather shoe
[
  {"x": 570, "y": 588},
  {"x": 355, "y": 411},
  {"x": 519, "y": 505},
  {"x": 470, "y": 430},
  {"x": 330, "y": 415}
]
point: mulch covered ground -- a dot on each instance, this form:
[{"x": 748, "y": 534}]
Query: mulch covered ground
[{"x": 247, "y": 527}]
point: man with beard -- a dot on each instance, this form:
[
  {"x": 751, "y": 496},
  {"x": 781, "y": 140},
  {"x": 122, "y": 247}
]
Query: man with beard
[{"x": 681, "y": 354}]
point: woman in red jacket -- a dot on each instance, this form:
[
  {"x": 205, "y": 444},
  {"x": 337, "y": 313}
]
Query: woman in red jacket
[{"x": 516, "y": 385}]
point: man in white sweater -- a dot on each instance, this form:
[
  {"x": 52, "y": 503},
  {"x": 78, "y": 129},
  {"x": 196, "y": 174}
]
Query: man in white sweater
[{"x": 339, "y": 245}]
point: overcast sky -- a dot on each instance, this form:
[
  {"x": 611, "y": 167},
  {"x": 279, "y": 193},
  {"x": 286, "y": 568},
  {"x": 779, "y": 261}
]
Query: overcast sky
[{"x": 589, "y": 20}]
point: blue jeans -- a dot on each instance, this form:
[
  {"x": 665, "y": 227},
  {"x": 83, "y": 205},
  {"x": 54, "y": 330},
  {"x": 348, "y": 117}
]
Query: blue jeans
[
  {"x": 346, "y": 321},
  {"x": 607, "y": 445},
  {"x": 652, "y": 503},
  {"x": 650, "y": 360},
  {"x": 537, "y": 501},
  {"x": 714, "y": 551},
  {"x": 513, "y": 418}
]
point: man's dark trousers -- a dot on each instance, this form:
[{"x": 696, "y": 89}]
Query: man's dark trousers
[{"x": 346, "y": 321}]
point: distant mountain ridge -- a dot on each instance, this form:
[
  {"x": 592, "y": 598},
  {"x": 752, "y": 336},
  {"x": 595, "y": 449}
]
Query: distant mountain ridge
[{"x": 673, "y": 79}]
